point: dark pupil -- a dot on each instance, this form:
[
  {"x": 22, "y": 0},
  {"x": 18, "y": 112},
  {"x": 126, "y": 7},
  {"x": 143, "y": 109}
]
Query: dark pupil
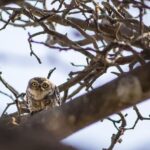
[
  {"x": 45, "y": 85},
  {"x": 34, "y": 84}
]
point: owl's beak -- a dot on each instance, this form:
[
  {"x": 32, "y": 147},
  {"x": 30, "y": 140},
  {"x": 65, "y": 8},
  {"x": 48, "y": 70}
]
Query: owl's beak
[{"x": 41, "y": 89}]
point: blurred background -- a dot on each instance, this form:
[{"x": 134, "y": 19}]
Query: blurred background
[{"x": 17, "y": 67}]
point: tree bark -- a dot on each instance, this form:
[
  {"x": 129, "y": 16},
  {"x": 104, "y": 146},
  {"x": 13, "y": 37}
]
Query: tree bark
[
  {"x": 123, "y": 92},
  {"x": 27, "y": 139}
]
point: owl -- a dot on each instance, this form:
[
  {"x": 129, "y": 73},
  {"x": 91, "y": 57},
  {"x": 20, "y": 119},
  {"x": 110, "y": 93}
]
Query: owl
[{"x": 42, "y": 94}]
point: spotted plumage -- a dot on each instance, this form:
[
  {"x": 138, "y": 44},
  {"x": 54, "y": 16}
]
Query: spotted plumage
[{"x": 41, "y": 94}]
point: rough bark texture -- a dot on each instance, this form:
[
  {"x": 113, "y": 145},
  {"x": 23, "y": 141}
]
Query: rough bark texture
[
  {"x": 25, "y": 139},
  {"x": 93, "y": 106}
]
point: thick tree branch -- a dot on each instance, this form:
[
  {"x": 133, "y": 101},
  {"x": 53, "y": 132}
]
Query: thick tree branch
[
  {"x": 25, "y": 139},
  {"x": 95, "y": 105}
]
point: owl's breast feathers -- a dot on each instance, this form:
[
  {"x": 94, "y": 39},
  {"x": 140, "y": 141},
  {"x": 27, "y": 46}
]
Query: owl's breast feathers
[{"x": 49, "y": 101}]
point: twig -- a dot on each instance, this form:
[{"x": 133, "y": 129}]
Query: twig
[
  {"x": 7, "y": 95},
  {"x": 50, "y": 72},
  {"x": 31, "y": 50},
  {"x": 116, "y": 137},
  {"x": 8, "y": 105},
  {"x": 9, "y": 87}
]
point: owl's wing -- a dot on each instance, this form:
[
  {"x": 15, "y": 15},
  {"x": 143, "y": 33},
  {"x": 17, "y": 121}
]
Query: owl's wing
[{"x": 57, "y": 95}]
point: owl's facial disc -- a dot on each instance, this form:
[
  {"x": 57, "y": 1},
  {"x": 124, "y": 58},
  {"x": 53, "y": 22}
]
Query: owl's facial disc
[
  {"x": 45, "y": 85},
  {"x": 34, "y": 85},
  {"x": 41, "y": 88}
]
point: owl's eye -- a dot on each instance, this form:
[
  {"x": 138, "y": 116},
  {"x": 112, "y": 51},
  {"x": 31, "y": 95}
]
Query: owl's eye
[
  {"x": 34, "y": 84},
  {"x": 45, "y": 85}
]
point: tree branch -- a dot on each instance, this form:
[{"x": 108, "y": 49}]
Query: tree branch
[
  {"x": 26, "y": 139},
  {"x": 95, "y": 105}
]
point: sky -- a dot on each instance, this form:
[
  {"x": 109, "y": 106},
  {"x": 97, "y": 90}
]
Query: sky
[{"x": 17, "y": 67}]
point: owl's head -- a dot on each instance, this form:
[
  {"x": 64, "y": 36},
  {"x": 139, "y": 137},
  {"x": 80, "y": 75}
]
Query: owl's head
[{"x": 39, "y": 87}]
